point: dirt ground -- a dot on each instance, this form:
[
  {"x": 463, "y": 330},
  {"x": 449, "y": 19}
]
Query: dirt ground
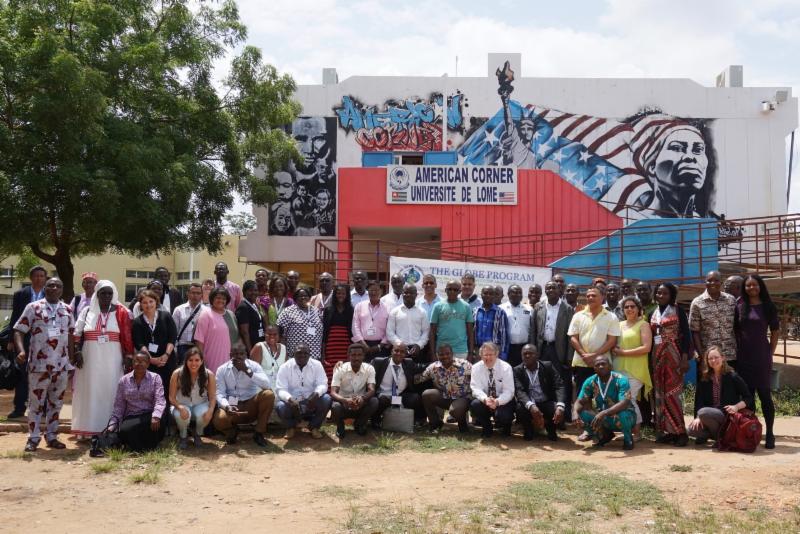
[{"x": 292, "y": 487}]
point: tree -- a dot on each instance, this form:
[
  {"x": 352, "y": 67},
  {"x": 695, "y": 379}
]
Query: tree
[
  {"x": 113, "y": 134},
  {"x": 240, "y": 223}
]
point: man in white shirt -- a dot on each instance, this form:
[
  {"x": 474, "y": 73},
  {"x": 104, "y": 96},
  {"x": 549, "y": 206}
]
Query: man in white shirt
[
  {"x": 243, "y": 396},
  {"x": 395, "y": 378},
  {"x": 185, "y": 317},
  {"x": 359, "y": 291},
  {"x": 394, "y": 297},
  {"x": 353, "y": 392},
  {"x": 302, "y": 387},
  {"x": 492, "y": 385},
  {"x": 519, "y": 324},
  {"x": 409, "y": 324}
]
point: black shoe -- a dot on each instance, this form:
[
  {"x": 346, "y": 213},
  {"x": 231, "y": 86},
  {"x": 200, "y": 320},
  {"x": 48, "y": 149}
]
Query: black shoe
[
  {"x": 340, "y": 430},
  {"x": 628, "y": 445},
  {"x": 361, "y": 430},
  {"x": 30, "y": 446},
  {"x": 527, "y": 435},
  {"x": 769, "y": 441},
  {"x": 55, "y": 444},
  {"x": 463, "y": 427},
  {"x": 376, "y": 425},
  {"x": 451, "y": 419},
  {"x": 97, "y": 453},
  {"x": 16, "y": 415},
  {"x": 258, "y": 438},
  {"x": 700, "y": 441},
  {"x": 666, "y": 438},
  {"x": 487, "y": 433},
  {"x": 434, "y": 428},
  {"x": 681, "y": 441},
  {"x": 552, "y": 436},
  {"x": 507, "y": 430},
  {"x": 605, "y": 438},
  {"x": 232, "y": 438}
]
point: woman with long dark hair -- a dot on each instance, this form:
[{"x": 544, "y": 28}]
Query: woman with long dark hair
[
  {"x": 337, "y": 328},
  {"x": 755, "y": 315},
  {"x": 671, "y": 348},
  {"x": 193, "y": 395}
]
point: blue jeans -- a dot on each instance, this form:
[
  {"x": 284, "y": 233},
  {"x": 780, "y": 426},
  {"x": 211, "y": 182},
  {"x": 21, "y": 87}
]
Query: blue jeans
[
  {"x": 315, "y": 417},
  {"x": 196, "y": 412}
]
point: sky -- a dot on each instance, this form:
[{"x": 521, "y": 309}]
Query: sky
[{"x": 601, "y": 38}]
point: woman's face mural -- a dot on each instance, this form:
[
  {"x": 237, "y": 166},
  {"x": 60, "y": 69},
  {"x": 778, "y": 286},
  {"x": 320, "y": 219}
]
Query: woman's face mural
[{"x": 680, "y": 166}]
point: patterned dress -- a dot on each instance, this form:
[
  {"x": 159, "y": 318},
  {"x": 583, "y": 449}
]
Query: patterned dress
[
  {"x": 301, "y": 326},
  {"x": 667, "y": 377}
]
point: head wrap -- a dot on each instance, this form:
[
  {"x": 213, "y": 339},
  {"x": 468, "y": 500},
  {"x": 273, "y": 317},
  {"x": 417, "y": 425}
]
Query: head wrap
[
  {"x": 90, "y": 274},
  {"x": 93, "y": 313}
]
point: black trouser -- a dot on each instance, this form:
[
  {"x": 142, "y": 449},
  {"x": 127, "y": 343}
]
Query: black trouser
[
  {"x": 581, "y": 374},
  {"x": 515, "y": 354},
  {"x": 381, "y": 353},
  {"x": 503, "y": 415},
  {"x": 339, "y": 413},
  {"x": 21, "y": 391},
  {"x": 767, "y": 405},
  {"x": 410, "y": 399},
  {"x": 549, "y": 354},
  {"x": 548, "y": 409},
  {"x": 136, "y": 435}
]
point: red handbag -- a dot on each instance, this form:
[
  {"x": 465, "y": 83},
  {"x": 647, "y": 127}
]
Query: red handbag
[{"x": 741, "y": 432}]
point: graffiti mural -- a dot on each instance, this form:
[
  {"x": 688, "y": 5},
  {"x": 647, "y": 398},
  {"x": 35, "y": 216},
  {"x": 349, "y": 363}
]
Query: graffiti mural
[
  {"x": 306, "y": 204},
  {"x": 411, "y": 125},
  {"x": 658, "y": 164}
]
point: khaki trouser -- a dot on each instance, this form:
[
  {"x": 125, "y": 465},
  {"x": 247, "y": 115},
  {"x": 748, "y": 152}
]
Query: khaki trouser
[{"x": 257, "y": 408}]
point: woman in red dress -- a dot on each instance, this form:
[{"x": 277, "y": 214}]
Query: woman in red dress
[{"x": 337, "y": 328}]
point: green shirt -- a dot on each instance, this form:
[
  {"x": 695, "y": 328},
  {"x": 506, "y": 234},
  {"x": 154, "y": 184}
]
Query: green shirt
[{"x": 451, "y": 320}]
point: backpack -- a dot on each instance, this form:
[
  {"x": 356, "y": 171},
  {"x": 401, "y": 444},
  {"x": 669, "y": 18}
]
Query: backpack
[{"x": 740, "y": 432}]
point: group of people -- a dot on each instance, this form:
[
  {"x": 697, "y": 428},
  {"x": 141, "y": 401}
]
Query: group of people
[{"x": 230, "y": 355}]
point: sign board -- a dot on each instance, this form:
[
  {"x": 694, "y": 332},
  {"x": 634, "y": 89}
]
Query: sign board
[
  {"x": 413, "y": 269},
  {"x": 474, "y": 185}
]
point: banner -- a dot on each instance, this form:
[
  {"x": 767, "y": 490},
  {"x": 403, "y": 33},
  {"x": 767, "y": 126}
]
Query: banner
[
  {"x": 451, "y": 184},
  {"x": 413, "y": 269}
]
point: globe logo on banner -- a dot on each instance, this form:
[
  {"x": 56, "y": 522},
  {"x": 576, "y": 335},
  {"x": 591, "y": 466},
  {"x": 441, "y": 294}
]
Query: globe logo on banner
[
  {"x": 398, "y": 178},
  {"x": 411, "y": 274}
]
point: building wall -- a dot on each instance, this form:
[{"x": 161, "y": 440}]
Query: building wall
[
  {"x": 603, "y": 136},
  {"x": 117, "y": 267},
  {"x": 551, "y": 205}
]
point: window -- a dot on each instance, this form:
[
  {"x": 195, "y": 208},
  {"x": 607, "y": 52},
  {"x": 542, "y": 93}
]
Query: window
[
  {"x": 184, "y": 275},
  {"x": 131, "y": 290},
  {"x": 6, "y": 272},
  {"x": 147, "y": 275},
  {"x": 407, "y": 159}
]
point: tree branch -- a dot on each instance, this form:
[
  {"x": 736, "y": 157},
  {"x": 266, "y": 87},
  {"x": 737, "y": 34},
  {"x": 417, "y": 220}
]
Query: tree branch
[{"x": 41, "y": 254}]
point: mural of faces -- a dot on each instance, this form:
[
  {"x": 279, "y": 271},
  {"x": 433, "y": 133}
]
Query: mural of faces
[{"x": 679, "y": 169}]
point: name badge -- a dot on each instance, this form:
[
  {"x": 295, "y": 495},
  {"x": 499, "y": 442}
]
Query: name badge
[
  {"x": 657, "y": 340},
  {"x": 311, "y": 331},
  {"x": 53, "y": 331},
  {"x": 102, "y": 339},
  {"x": 152, "y": 348},
  {"x": 371, "y": 331},
  {"x": 233, "y": 401},
  {"x": 260, "y": 332},
  {"x": 397, "y": 400}
]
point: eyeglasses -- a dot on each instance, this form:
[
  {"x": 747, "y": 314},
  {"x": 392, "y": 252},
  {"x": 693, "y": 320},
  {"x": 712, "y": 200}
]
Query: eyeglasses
[{"x": 630, "y": 307}]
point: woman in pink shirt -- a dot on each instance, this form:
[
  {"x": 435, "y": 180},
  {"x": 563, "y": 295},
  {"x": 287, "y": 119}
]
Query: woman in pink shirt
[{"x": 214, "y": 330}]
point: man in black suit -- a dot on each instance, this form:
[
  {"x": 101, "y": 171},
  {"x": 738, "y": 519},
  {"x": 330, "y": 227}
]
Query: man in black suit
[
  {"x": 549, "y": 325},
  {"x": 171, "y": 297},
  {"x": 394, "y": 378},
  {"x": 541, "y": 395},
  {"x": 23, "y": 297}
]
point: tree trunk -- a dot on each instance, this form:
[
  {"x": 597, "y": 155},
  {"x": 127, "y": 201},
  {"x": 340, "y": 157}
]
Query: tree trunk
[{"x": 66, "y": 272}]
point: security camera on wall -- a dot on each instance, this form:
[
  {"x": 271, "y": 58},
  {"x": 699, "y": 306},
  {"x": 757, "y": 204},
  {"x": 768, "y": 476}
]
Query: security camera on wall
[{"x": 767, "y": 106}]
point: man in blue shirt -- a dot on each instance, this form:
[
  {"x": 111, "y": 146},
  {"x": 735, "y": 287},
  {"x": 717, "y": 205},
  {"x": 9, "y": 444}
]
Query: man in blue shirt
[{"x": 491, "y": 323}]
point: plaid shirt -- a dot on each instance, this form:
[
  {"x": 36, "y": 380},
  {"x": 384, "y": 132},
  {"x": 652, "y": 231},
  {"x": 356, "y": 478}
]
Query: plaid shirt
[
  {"x": 452, "y": 382},
  {"x": 492, "y": 325}
]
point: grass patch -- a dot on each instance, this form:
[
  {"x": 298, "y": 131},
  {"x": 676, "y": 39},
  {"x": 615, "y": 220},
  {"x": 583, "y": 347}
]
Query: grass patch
[
  {"x": 144, "y": 468},
  {"x": 18, "y": 455},
  {"x": 673, "y": 520},
  {"x": 385, "y": 443},
  {"x": 680, "y": 468},
  {"x": 339, "y": 492},
  {"x": 688, "y": 399},
  {"x": 442, "y": 443}
]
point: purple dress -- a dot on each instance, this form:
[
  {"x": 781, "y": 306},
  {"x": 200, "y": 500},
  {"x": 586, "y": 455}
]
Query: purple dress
[{"x": 753, "y": 361}]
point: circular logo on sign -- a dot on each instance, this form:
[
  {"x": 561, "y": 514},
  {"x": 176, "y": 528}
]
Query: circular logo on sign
[
  {"x": 411, "y": 274},
  {"x": 398, "y": 178}
]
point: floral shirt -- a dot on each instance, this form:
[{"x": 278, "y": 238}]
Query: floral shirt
[
  {"x": 615, "y": 390},
  {"x": 713, "y": 319},
  {"x": 452, "y": 382},
  {"x": 50, "y": 327}
]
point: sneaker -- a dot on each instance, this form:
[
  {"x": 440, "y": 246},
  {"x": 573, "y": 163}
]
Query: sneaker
[
  {"x": 183, "y": 444},
  {"x": 316, "y": 434},
  {"x": 289, "y": 433},
  {"x": 584, "y": 436},
  {"x": 30, "y": 446},
  {"x": 55, "y": 444},
  {"x": 259, "y": 439},
  {"x": 605, "y": 438}
]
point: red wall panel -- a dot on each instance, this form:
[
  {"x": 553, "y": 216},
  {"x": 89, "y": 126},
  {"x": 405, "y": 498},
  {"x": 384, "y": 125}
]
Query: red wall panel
[{"x": 547, "y": 205}]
